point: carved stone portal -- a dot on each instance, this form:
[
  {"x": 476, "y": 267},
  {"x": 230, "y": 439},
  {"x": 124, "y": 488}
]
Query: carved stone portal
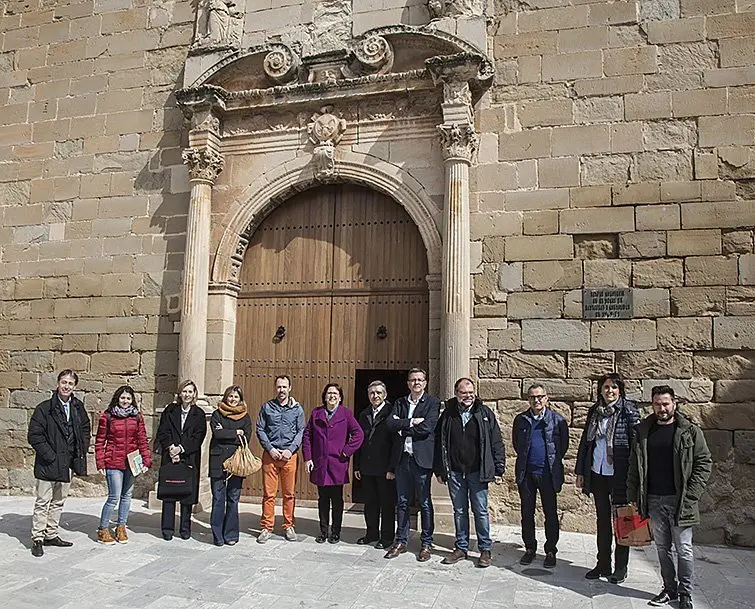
[{"x": 325, "y": 131}]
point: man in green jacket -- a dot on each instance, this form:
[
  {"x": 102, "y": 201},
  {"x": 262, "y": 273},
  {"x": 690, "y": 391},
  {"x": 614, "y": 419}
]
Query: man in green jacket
[{"x": 668, "y": 470}]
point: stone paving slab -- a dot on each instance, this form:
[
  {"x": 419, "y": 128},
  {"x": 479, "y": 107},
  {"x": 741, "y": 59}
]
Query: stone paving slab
[{"x": 150, "y": 573}]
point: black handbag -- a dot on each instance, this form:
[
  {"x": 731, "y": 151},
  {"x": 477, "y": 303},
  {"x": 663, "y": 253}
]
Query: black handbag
[{"x": 176, "y": 481}]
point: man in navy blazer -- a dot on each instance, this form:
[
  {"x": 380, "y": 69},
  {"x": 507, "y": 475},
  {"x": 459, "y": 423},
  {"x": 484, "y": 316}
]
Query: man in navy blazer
[{"x": 414, "y": 418}]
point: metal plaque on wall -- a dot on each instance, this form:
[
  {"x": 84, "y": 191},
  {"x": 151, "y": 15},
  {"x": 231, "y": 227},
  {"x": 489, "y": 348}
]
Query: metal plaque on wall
[{"x": 607, "y": 303}]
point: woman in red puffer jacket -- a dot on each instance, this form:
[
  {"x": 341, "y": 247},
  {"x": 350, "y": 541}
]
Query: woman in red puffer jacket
[{"x": 120, "y": 431}]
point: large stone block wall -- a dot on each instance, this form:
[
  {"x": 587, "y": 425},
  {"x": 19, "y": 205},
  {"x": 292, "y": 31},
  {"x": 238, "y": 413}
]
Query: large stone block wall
[
  {"x": 618, "y": 149},
  {"x": 93, "y": 198}
]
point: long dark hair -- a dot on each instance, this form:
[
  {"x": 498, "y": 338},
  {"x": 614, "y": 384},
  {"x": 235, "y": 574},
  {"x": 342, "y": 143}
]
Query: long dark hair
[{"x": 117, "y": 396}]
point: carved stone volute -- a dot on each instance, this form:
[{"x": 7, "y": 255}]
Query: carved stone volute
[{"x": 281, "y": 64}]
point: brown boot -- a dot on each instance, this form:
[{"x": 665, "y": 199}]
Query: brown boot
[
  {"x": 120, "y": 534},
  {"x": 454, "y": 557},
  {"x": 104, "y": 536},
  {"x": 484, "y": 560}
]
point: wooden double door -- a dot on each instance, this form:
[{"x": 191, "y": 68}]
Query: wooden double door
[{"x": 333, "y": 289}]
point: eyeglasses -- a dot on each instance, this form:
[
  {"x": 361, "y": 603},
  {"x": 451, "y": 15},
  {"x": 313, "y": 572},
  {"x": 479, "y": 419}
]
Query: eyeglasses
[{"x": 538, "y": 398}]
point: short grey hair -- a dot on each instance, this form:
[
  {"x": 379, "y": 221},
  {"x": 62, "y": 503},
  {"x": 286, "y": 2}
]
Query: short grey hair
[
  {"x": 378, "y": 384},
  {"x": 537, "y": 386}
]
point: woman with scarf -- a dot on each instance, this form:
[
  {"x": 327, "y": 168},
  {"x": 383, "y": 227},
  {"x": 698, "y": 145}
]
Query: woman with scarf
[
  {"x": 228, "y": 423},
  {"x": 120, "y": 431},
  {"x": 602, "y": 467}
]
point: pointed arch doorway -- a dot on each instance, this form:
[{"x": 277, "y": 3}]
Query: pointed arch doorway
[{"x": 333, "y": 288}]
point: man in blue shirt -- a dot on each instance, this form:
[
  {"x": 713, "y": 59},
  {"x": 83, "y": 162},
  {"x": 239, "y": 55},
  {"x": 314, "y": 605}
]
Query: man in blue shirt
[
  {"x": 541, "y": 438},
  {"x": 280, "y": 427}
]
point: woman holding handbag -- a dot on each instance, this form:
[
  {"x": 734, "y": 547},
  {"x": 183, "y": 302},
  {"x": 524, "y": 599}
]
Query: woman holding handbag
[
  {"x": 602, "y": 469},
  {"x": 228, "y": 424},
  {"x": 331, "y": 436},
  {"x": 179, "y": 436},
  {"x": 120, "y": 431}
]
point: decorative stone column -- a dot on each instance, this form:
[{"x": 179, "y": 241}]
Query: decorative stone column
[
  {"x": 459, "y": 141},
  {"x": 205, "y": 164}
]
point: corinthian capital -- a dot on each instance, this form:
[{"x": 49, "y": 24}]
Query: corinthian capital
[
  {"x": 459, "y": 141},
  {"x": 204, "y": 164}
]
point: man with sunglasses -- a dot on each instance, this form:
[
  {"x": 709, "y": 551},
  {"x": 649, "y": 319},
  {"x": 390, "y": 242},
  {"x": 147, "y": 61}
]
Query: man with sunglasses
[{"x": 541, "y": 438}]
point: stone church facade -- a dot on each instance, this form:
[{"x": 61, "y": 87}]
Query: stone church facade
[{"x": 532, "y": 149}]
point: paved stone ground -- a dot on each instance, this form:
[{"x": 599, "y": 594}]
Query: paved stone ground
[{"x": 149, "y": 573}]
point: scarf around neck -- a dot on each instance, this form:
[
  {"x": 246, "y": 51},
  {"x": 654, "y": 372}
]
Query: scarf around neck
[
  {"x": 122, "y": 413},
  {"x": 234, "y": 413},
  {"x": 604, "y": 412}
]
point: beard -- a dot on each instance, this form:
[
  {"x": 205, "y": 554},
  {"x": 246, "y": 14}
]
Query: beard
[{"x": 664, "y": 416}]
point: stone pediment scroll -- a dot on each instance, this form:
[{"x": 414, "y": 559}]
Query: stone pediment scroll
[
  {"x": 325, "y": 131},
  {"x": 281, "y": 64},
  {"x": 219, "y": 25}
]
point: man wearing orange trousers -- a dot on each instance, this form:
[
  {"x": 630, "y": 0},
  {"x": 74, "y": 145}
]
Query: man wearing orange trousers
[{"x": 280, "y": 427}]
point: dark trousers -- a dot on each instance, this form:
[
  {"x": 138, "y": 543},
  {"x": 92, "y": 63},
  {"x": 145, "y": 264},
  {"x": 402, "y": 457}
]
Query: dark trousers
[
  {"x": 224, "y": 518},
  {"x": 410, "y": 478},
  {"x": 327, "y": 497},
  {"x": 379, "y": 508},
  {"x": 602, "y": 493},
  {"x": 528, "y": 490},
  {"x": 168, "y": 519}
]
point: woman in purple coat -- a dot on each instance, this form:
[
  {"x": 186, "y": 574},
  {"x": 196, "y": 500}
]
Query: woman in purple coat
[{"x": 331, "y": 436}]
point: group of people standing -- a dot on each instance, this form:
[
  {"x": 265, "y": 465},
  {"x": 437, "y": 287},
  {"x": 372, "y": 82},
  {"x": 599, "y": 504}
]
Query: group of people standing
[{"x": 660, "y": 464}]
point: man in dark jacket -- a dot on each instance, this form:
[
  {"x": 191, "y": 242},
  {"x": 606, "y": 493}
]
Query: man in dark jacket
[
  {"x": 414, "y": 418},
  {"x": 375, "y": 465},
  {"x": 541, "y": 439},
  {"x": 469, "y": 454},
  {"x": 59, "y": 433},
  {"x": 669, "y": 467}
]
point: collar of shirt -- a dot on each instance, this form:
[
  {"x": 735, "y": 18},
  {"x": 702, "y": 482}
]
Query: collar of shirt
[
  {"x": 376, "y": 409},
  {"x": 419, "y": 399},
  {"x": 537, "y": 417},
  {"x": 329, "y": 413}
]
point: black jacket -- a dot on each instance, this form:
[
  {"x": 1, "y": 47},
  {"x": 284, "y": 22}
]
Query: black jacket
[
  {"x": 225, "y": 441},
  {"x": 381, "y": 448},
  {"x": 48, "y": 436},
  {"x": 492, "y": 452},
  {"x": 191, "y": 438},
  {"x": 623, "y": 437},
  {"x": 422, "y": 435},
  {"x": 556, "y": 445}
]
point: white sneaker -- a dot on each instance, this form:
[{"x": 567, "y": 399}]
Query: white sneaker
[
  {"x": 290, "y": 534},
  {"x": 263, "y": 536}
]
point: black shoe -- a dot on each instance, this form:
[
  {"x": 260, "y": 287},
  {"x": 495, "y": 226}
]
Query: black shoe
[
  {"x": 334, "y": 538},
  {"x": 57, "y": 542},
  {"x": 363, "y": 541},
  {"x": 550, "y": 560},
  {"x": 220, "y": 544},
  {"x": 167, "y": 536},
  {"x": 37, "y": 549},
  {"x": 618, "y": 577},
  {"x": 382, "y": 545},
  {"x": 185, "y": 535},
  {"x": 663, "y": 598},
  {"x": 597, "y": 572},
  {"x": 685, "y": 601},
  {"x": 321, "y": 538},
  {"x": 527, "y": 557}
]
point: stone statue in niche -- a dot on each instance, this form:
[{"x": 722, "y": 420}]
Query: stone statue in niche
[
  {"x": 219, "y": 25},
  {"x": 455, "y": 8}
]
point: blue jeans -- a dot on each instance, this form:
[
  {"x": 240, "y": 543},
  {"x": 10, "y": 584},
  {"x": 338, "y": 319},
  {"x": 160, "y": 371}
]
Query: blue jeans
[
  {"x": 662, "y": 512},
  {"x": 120, "y": 486},
  {"x": 410, "y": 478},
  {"x": 224, "y": 518},
  {"x": 465, "y": 489}
]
